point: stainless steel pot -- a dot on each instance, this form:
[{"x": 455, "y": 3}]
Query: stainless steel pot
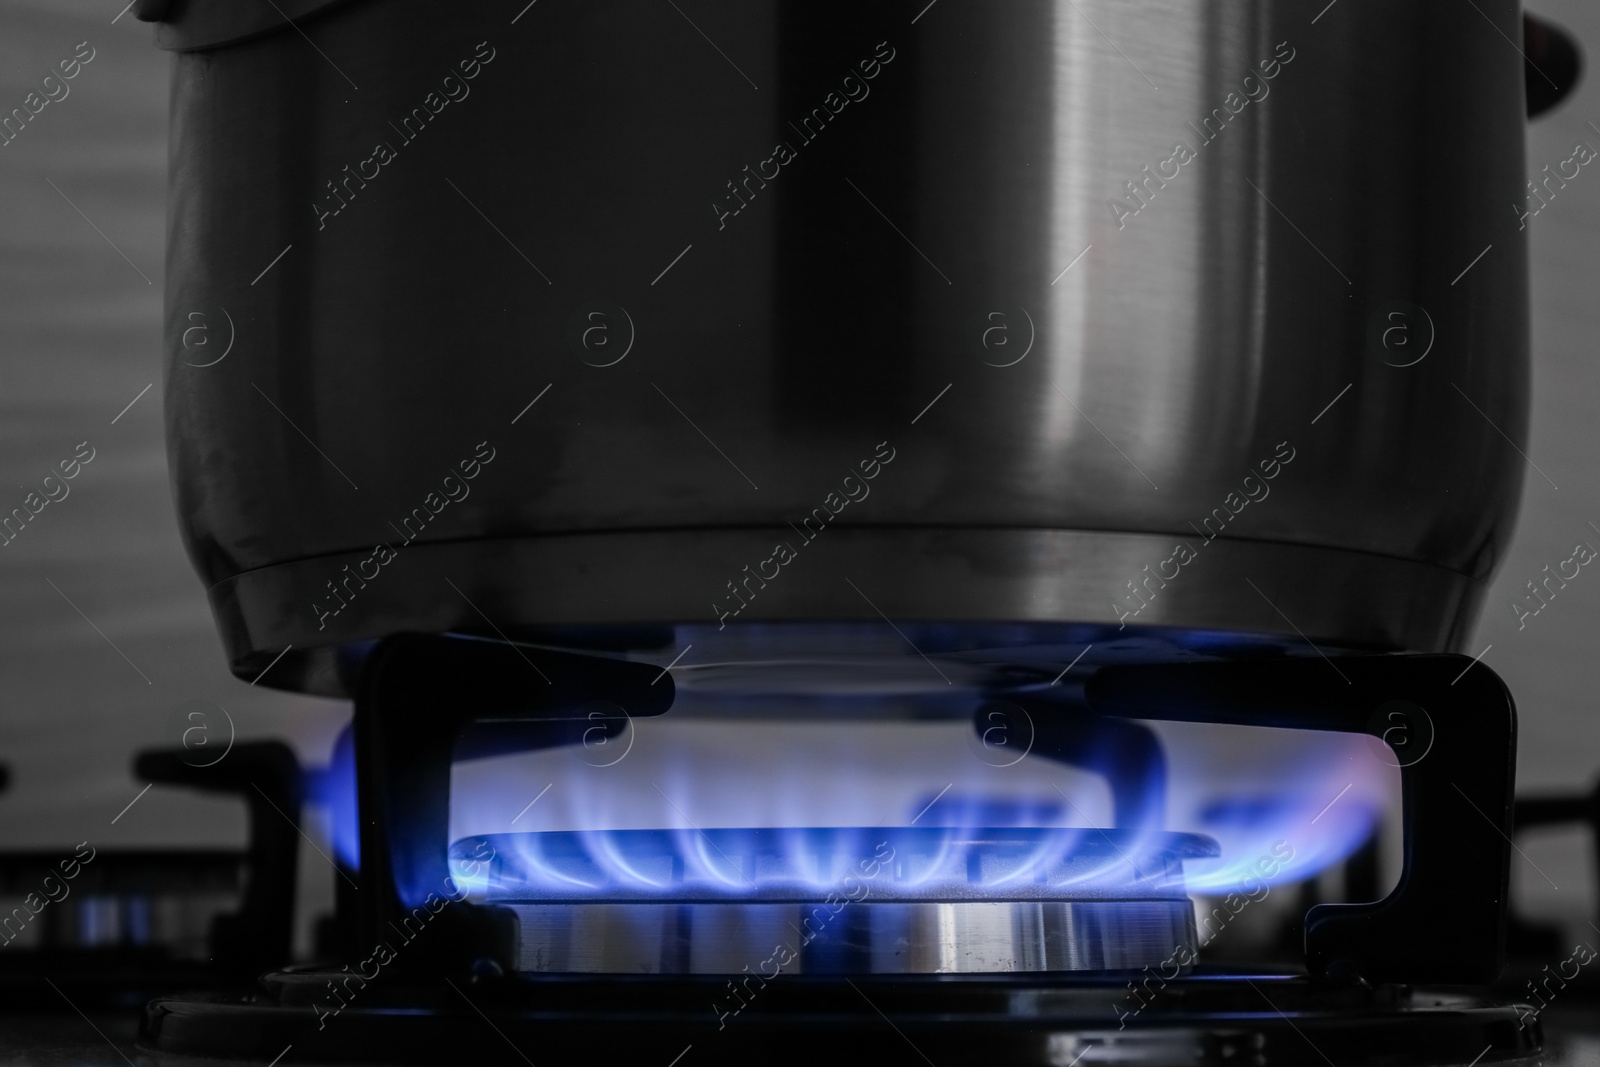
[{"x": 1009, "y": 301}]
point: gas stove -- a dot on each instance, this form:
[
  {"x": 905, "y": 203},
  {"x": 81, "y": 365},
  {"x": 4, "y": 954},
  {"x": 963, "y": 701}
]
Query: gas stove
[{"x": 963, "y": 927}]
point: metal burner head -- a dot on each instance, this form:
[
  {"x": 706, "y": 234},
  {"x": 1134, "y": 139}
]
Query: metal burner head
[{"x": 903, "y": 900}]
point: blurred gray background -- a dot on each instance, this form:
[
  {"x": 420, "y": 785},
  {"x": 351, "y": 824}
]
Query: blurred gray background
[{"x": 80, "y": 337}]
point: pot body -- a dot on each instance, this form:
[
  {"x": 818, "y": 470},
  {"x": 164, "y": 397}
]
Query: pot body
[{"x": 1133, "y": 314}]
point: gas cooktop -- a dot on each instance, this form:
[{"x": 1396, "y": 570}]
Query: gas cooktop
[{"x": 971, "y": 931}]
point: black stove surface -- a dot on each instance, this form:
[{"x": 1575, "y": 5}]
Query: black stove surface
[{"x": 1208, "y": 1018}]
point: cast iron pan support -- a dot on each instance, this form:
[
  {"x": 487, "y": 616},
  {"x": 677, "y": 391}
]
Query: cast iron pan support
[
  {"x": 1127, "y": 754},
  {"x": 1450, "y": 724},
  {"x": 1545, "y": 939},
  {"x": 266, "y": 775},
  {"x": 425, "y": 700}
]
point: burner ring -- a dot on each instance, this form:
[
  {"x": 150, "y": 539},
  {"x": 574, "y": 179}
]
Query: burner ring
[{"x": 762, "y": 941}]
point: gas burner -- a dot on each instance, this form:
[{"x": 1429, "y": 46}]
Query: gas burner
[
  {"x": 1024, "y": 944},
  {"x": 903, "y": 900}
]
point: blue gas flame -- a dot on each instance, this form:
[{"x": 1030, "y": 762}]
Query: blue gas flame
[
  {"x": 1262, "y": 794},
  {"x": 334, "y": 789}
]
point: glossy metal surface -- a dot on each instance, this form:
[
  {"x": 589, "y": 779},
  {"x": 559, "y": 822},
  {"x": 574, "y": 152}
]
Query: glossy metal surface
[
  {"x": 868, "y": 938},
  {"x": 860, "y": 296}
]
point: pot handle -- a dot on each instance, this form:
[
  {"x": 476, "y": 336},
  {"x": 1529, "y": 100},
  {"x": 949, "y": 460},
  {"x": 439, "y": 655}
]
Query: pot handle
[{"x": 1552, "y": 64}]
